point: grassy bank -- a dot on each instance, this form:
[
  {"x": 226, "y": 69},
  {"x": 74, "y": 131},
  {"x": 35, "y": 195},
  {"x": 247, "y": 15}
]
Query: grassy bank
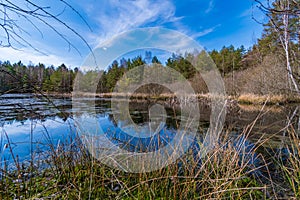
[
  {"x": 268, "y": 99},
  {"x": 241, "y": 99},
  {"x": 226, "y": 172}
]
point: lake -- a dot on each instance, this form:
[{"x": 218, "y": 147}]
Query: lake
[{"x": 32, "y": 124}]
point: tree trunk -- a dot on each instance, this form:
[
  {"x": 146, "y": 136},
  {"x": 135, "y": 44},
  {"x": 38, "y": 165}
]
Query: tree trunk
[{"x": 285, "y": 42}]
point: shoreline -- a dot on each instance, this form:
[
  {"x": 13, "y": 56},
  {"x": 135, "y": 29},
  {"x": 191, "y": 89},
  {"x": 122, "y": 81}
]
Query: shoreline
[{"x": 243, "y": 99}]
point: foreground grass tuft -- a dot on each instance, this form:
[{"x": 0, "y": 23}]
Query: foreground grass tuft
[{"x": 227, "y": 172}]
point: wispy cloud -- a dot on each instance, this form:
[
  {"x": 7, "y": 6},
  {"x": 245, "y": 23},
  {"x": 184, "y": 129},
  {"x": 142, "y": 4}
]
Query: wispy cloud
[
  {"x": 211, "y": 6},
  {"x": 120, "y": 16},
  {"x": 247, "y": 13},
  {"x": 205, "y": 32}
]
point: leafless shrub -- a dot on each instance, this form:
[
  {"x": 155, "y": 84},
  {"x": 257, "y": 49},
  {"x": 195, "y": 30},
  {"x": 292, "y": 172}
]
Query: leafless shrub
[{"x": 266, "y": 79}]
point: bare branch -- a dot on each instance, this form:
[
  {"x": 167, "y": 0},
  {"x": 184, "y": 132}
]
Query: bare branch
[
  {"x": 269, "y": 9},
  {"x": 13, "y": 32},
  {"x": 74, "y": 10},
  {"x": 279, "y": 16}
]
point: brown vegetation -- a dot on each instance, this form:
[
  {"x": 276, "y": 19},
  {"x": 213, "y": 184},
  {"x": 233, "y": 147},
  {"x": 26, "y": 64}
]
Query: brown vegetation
[{"x": 266, "y": 78}]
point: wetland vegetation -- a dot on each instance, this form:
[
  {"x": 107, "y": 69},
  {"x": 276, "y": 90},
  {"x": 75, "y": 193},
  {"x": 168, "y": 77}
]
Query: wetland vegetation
[{"x": 43, "y": 156}]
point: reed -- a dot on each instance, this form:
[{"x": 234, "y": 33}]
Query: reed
[
  {"x": 268, "y": 99},
  {"x": 72, "y": 173}
]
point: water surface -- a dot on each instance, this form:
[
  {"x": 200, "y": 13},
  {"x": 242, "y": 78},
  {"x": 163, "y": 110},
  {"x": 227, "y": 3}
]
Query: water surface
[{"x": 31, "y": 123}]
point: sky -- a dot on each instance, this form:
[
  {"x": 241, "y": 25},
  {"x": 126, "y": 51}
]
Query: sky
[{"x": 211, "y": 23}]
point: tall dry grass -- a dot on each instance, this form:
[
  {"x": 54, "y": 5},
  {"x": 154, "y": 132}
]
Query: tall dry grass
[
  {"x": 289, "y": 165},
  {"x": 268, "y": 99},
  {"x": 71, "y": 173}
]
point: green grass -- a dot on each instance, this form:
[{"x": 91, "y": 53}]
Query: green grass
[
  {"x": 291, "y": 166},
  {"x": 74, "y": 174}
]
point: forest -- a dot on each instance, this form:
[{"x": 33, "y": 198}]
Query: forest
[
  {"x": 241, "y": 69},
  {"x": 270, "y": 66}
]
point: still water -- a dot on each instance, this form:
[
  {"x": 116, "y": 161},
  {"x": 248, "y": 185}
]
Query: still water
[{"x": 30, "y": 124}]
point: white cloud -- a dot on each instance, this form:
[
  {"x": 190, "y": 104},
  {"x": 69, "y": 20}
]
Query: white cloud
[
  {"x": 247, "y": 12},
  {"x": 120, "y": 16},
  {"x": 211, "y": 6},
  {"x": 29, "y": 55},
  {"x": 205, "y": 32},
  {"x": 24, "y": 128}
]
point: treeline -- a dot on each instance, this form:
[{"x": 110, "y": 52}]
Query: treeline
[
  {"x": 257, "y": 70},
  {"x": 271, "y": 66},
  {"x": 20, "y": 78}
]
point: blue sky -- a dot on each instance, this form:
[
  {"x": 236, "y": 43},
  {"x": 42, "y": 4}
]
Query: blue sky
[{"x": 212, "y": 23}]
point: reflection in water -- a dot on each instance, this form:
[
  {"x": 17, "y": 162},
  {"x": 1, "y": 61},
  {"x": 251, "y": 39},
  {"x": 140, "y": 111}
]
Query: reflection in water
[
  {"x": 30, "y": 137},
  {"x": 153, "y": 133},
  {"x": 268, "y": 123},
  {"x": 21, "y": 107},
  {"x": 31, "y": 122}
]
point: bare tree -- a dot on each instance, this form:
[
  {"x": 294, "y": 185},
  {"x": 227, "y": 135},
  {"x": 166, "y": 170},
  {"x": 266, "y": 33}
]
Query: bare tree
[
  {"x": 284, "y": 12},
  {"x": 12, "y": 34}
]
